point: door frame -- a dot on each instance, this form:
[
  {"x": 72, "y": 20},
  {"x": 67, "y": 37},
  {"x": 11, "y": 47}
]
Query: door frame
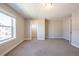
[{"x": 70, "y": 40}]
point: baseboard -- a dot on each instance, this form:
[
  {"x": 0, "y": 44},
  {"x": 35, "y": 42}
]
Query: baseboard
[
  {"x": 41, "y": 39},
  {"x": 27, "y": 39},
  {"x": 75, "y": 45},
  {"x": 55, "y": 37},
  {"x": 11, "y": 48},
  {"x": 65, "y": 38}
]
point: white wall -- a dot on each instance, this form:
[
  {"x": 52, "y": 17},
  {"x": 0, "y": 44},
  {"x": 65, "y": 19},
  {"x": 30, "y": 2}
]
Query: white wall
[
  {"x": 75, "y": 29},
  {"x": 27, "y": 29},
  {"x": 54, "y": 28},
  {"x": 19, "y": 30}
]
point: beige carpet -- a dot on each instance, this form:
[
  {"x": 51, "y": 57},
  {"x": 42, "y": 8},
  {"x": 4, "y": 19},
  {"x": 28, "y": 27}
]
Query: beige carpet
[{"x": 51, "y": 47}]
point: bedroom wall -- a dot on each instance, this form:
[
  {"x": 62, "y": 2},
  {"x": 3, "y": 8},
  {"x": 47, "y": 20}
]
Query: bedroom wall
[
  {"x": 7, "y": 46},
  {"x": 54, "y": 28},
  {"x": 27, "y": 29}
]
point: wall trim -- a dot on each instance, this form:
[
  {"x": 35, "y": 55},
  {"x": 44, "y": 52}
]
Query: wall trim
[
  {"x": 36, "y": 39},
  {"x": 5, "y": 52},
  {"x": 66, "y": 38},
  {"x": 27, "y": 39},
  {"x": 55, "y": 37},
  {"x": 40, "y": 38},
  {"x": 75, "y": 45}
]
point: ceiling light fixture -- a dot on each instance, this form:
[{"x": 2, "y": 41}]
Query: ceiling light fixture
[{"x": 49, "y": 5}]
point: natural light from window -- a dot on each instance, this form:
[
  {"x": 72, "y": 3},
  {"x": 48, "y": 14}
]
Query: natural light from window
[{"x": 7, "y": 27}]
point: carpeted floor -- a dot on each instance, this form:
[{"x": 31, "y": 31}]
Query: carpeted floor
[{"x": 51, "y": 47}]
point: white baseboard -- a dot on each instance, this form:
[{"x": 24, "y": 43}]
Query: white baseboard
[
  {"x": 55, "y": 37},
  {"x": 65, "y": 38},
  {"x": 75, "y": 45},
  {"x": 27, "y": 39},
  {"x": 5, "y": 52},
  {"x": 41, "y": 39}
]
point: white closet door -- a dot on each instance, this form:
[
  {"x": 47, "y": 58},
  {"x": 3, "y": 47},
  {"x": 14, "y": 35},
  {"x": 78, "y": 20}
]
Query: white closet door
[{"x": 41, "y": 30}]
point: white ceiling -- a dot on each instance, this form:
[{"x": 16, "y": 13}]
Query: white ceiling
[{"x": 38, "y": 10}]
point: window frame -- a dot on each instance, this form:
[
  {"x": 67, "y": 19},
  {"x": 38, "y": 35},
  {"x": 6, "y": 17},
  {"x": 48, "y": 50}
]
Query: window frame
[{"x": 12, "y": 30}]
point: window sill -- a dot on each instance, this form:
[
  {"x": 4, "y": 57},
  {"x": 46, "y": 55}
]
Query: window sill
[{"x": 6, "y": 41}]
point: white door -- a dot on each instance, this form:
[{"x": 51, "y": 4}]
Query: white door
[
  {"x": 41, "y": 30},
  {"x": 33, "y": 29},
  {"x": 75, "y": 30},
  {"x": 70, "y": 35}
]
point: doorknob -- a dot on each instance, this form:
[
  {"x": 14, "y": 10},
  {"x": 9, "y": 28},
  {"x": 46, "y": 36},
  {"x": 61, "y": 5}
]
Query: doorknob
[{"x": 70, "y": 32}]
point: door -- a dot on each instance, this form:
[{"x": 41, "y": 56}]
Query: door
[
  {"x": 33, "y": 29},
  {"x": 70, "y": 35},
  {"x": 41, "y": 30},
  {"x": 37, "y": 29},
  {"x": 75, "y": 30}
]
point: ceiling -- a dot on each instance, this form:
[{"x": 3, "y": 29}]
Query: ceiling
[{"x": 39, "y": 10}]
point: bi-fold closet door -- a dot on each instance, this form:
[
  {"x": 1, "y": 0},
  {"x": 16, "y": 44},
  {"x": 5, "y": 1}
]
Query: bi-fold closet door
[{"x": 37, "y": 29}]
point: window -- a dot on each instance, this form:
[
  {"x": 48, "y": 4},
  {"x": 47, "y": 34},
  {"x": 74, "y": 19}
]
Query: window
[{"x": 7, "y": 27}]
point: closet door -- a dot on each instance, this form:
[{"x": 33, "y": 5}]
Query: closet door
[{"x": 41, "y": 30}]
